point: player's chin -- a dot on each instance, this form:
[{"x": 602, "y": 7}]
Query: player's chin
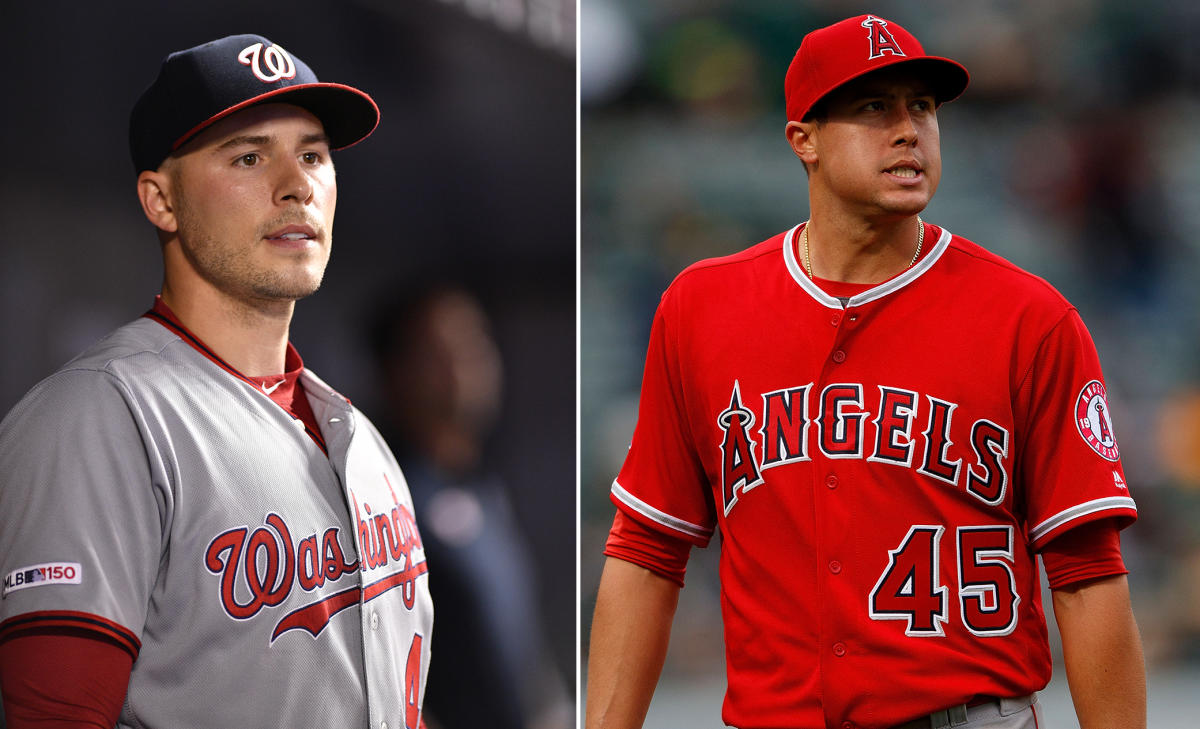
[
  {"x": 290, "y": 285},
  {"x": 286, "y": 290},
  {"x": 906, "y": 202}
]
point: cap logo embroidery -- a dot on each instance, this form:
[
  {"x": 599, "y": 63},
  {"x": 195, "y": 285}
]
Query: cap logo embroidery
[
  {"x": 881, "y": 38},
  {"x": 277, "y": 60}
]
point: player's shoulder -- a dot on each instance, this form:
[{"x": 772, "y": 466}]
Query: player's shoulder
[
  {"x": 733, "y": 269},
  {"x": 85, "y": 389},
  {"x": 141, "y": 339},
  {"x": 973, "y": 265},
  {"x": 106, "y": 373}
]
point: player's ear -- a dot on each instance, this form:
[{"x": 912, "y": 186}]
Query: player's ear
[
  {"x": 154, "y": 193},
  {"x": 800, "y": 136}
]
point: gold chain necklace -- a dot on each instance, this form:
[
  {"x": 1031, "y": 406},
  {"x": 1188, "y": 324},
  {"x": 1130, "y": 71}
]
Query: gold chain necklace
[{"x": 916, "y": 254}]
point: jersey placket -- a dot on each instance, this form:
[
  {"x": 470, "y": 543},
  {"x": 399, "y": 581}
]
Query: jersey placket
[
  {"x": 833, "y": 474},
  {"x": 337, "y": 425},
  {"x": 378, "y": 619}
]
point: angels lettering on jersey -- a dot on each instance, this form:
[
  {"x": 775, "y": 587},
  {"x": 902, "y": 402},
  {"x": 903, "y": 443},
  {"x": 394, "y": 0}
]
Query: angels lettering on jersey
[
  {"x": 892, "y": 426},
  {"x": 260, "y": 568}
]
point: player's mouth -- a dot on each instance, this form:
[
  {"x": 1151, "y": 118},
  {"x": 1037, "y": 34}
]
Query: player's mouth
[
  {"x": 905, "y": 173},
  {"x": 293, "y": 236}
]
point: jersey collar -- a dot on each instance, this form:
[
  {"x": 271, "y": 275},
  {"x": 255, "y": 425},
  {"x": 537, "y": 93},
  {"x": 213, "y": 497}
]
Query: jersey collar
[
  {"x": 163, "y": 314},
  {"x": 796, "y": 269},
  {"x": 292, "y": 361}
]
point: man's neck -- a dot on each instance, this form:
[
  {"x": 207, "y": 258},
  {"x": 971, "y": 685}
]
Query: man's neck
[
  {"x": 252, "y": 337},
  {"x": 853, "y": 249}
]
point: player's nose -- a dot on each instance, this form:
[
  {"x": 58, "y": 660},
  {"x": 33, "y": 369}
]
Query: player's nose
[
  {"x": 904, "y": 129},
  {"x": 293, "y": 183}
]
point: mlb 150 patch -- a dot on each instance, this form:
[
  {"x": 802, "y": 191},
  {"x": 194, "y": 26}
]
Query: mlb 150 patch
[{"x": 37, "y": 575}]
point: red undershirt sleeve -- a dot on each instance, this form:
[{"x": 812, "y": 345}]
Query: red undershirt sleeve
[
  {"x": 1087, "y": 552},
  {"x": 59, "y": 679},
  {"x": 664, "y": 555}
]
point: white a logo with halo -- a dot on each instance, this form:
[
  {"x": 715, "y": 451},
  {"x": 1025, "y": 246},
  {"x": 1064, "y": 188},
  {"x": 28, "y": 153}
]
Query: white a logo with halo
[{"x": 277, "y": 61}]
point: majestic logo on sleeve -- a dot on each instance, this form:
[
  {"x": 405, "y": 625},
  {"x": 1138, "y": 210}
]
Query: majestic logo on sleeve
[
  {"x": 892, "y": 426},
  {"x": 277, "y": 60},
  {"x": 260, "y": 568},
  {"x": 1094, "y": 422},
  {"x": 881, "y": 38}
]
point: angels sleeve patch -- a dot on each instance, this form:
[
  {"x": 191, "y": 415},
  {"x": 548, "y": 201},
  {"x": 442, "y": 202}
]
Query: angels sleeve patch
[
  {"x": 37, "y": 575},
  {"x": 1094, "y": 422}
]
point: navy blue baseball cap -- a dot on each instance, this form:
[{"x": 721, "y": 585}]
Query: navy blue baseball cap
[{"x": 200, "y": 86}]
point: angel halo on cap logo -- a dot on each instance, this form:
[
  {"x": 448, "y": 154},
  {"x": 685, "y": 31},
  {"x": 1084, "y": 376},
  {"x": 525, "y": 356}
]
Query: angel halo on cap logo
[
  {"x": 881, "y": 38},
  {"x": 279, "y": 63}
]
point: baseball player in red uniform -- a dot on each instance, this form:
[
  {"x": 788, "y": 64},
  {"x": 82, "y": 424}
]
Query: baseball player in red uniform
[
  {"x": 195, "y": 530},
  {"x": 885, "y": 424}
]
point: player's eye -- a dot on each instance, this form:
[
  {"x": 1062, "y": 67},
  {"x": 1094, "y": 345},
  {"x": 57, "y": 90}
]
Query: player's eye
[
  {"x": 311, "y": 158},
  {"x": 248, "y": 160},
  {"x": 873, "y": 106}
]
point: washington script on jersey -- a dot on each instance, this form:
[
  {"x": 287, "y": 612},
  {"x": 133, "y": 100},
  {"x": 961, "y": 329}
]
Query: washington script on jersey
[
  {"x": 392, "y": 537},
  {"x": 840, "y": 417}
]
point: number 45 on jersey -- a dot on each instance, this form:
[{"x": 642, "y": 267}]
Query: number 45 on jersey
[{"x": 910, "y": 588}]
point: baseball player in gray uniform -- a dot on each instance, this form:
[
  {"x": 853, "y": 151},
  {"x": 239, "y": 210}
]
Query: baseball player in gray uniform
[{"x": 195, "y": 530}]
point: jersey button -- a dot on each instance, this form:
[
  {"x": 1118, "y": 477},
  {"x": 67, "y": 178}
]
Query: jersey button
[
  {"x": 835, "y": 319},
  {"x": 839, "y": 649},
  {"x": 374, "y": 621},
  {"x": 831, "y": 481},
  {"x": 847, "y": 725},
  {"x": 383, "y": 725},
  {"x": 835, "y": 566},
  {"x": 839, "y": 356}
]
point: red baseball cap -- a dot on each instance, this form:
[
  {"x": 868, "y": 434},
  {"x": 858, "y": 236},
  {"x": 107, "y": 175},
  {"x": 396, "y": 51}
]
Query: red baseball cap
[{"x": 831, "y": 56}]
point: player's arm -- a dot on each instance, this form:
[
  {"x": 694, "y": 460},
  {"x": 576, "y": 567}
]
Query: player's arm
[
  {"x": 62, "y": 680},
  {"x": 630, "y": 632},
  {"x": 1103, "y": 653},
  {"x": 73, "y": 460}
]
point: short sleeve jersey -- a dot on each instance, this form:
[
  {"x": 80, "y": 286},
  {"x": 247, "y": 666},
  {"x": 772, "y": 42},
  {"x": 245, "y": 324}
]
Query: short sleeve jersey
[
  {"x": 881, "y": 470},
  {"x": 261, "y": 575}
]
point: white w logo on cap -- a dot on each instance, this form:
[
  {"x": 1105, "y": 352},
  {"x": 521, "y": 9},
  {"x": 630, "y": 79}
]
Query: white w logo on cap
[{"x": 278, "y": 62}]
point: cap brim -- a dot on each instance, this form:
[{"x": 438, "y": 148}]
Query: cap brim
[
  {"x": 948, "y": 77},
  {"x": 348, "y": 115}
]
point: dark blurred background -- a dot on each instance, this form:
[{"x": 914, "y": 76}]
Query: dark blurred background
[
  {"x": 1074, "y": 153},
  {"x": 469, "y": 178}
]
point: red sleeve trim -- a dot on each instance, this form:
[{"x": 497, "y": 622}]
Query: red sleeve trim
[
  {"x": 659, "y": 520},
  {"x": 63, "y": 678},
  {"x": 1120, "y": 508},
  {"x": 664, "y": 555},
  {"x": 1088, "y": 552},
  {"x": 71, "y": 619}
]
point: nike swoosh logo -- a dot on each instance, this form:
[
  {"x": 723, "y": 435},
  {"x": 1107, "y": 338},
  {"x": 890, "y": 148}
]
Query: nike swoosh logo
[{"x": 268, "y": 390}]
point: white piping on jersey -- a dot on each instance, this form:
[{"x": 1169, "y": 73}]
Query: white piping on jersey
[
  {"x": 663, "y": 518},
  {"x": 883, "y": 289},
  {"x": 1080, "y": 510}
]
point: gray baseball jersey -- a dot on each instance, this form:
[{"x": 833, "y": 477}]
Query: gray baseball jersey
[{"x": 262, "y": 575}]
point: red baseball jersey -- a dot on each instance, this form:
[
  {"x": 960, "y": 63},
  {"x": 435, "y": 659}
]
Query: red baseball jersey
[{"x": 882, "y": 470}]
